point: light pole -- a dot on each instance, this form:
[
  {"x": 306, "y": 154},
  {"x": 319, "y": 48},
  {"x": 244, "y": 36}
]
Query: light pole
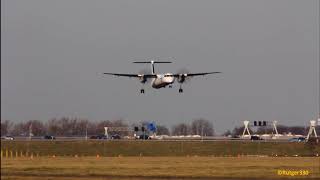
[
  {"x": 202, "y": 132},
  {"x": 86, "y": 131},
  {"x": 30, "y": 131}
]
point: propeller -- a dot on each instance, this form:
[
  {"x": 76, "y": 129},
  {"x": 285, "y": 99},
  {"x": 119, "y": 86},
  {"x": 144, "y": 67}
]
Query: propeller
[
  {"x": 143, "y": 72},
  {"x": 183, "y": 78}
]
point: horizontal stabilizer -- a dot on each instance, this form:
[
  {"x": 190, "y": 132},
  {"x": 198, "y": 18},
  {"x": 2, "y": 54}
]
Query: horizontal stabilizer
[{"x": 152, "y": 62}]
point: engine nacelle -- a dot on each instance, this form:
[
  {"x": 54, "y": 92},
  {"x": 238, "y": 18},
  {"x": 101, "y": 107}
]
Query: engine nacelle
[
  {"x": 181, "y": 78},
  {"x": 142, "y": 79}
]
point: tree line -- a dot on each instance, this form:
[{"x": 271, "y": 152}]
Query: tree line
[{"x": 81, "y": 127}]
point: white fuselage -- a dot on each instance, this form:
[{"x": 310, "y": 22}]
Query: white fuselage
[{"x": 162, "y": 80}]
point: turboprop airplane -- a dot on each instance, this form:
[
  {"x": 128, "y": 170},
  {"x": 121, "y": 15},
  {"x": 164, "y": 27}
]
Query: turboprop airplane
[{"x": 161, "y": 80}]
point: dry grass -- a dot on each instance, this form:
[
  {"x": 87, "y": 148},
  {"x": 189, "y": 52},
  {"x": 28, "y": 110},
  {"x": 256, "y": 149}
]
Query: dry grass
[
  {"x": 160, "y": 148},
  {"x": 154, "y": 167}
]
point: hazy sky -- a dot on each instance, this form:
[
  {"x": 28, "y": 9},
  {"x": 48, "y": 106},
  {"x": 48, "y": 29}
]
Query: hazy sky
[{"x": 53, "y": 54}]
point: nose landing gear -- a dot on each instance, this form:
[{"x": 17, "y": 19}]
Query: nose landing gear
[{"x": 142, "y": 91}]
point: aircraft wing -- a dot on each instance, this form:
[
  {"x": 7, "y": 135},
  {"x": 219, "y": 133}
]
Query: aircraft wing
[
  {"x": 133, "y": 75},
  {"x": 195, "y": 74}
]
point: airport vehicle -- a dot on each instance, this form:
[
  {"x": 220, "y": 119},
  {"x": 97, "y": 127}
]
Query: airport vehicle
[
  {"x": 115, "y": 136},
  {"x": 253, "y": 138},
  {"x": 299, "y": 139},
  {"x": 144, "y": 136},
  {"x": 98, "y": 137},
  {"x": 161, "y": 80},
  {"x": 49, "y": 137},
  {"x": 235, "y": 136},
  {"x": 8, "y": 138}
]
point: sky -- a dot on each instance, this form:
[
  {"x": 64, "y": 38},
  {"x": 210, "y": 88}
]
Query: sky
[{"x": 53, "y": 54}]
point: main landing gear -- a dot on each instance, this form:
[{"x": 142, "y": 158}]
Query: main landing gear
[{"x": 180, "y": 89}]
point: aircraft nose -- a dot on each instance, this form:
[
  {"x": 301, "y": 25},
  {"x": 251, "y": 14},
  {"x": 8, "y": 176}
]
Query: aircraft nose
[{"x": 170, "y": 79}]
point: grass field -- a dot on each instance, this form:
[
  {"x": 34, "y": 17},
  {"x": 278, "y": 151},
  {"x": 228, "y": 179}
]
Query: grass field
[
  {"x": 156, "y": 167},
  {"x": 95, "y": 160},
  {"x": 159, "y": 148}
]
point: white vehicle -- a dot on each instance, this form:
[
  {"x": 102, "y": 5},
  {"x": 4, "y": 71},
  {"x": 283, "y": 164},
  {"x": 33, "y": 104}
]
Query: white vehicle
[
  {"x": 8, "y": 138},
  {"x": 161, "y": 80}
]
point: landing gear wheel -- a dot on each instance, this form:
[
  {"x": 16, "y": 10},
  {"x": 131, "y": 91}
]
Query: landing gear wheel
[
  {"x": 170, "y": 86},
  {"x": 180, "y": 89},
  {"x": 142, "y": 91}
]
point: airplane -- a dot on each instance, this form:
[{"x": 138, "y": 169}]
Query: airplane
[{"x": 161, "y": 80}]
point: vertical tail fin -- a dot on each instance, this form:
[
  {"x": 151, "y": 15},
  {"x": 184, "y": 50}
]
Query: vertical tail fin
[
  {"x": 152, "y": 67},
  {"x": 152, "y": 64}
]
